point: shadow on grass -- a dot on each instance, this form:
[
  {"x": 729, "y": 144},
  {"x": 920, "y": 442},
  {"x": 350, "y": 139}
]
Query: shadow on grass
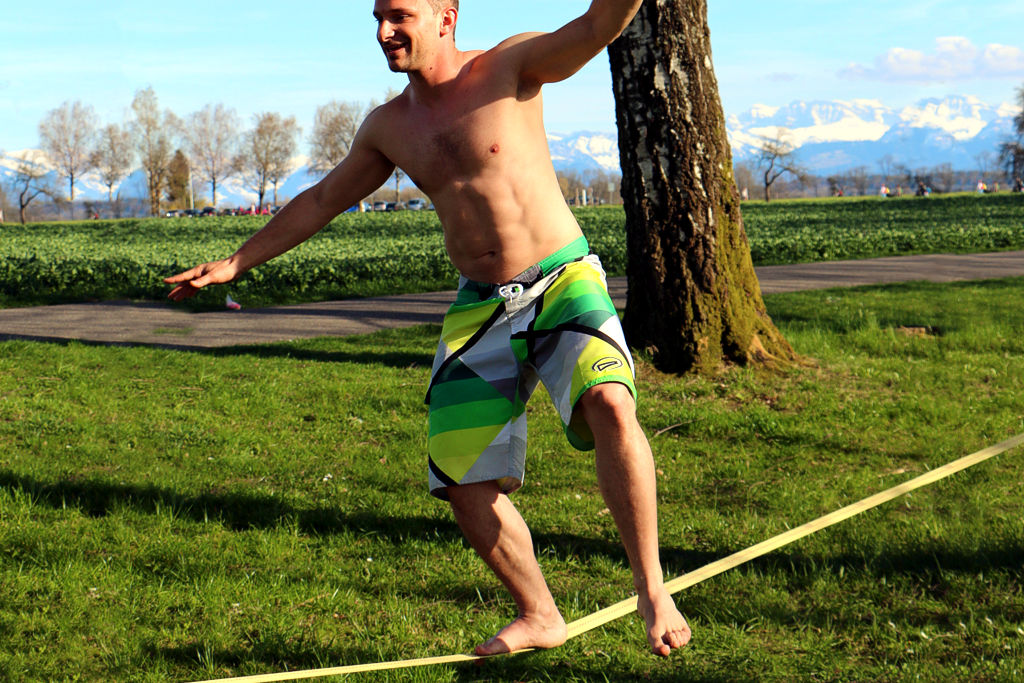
[
  {"x": 236, "y": 511},
  {"x": 276, "y": 654},
  {"x": 300, "y": 351}
]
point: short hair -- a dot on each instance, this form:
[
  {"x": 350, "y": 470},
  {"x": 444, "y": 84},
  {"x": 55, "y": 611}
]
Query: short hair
[{"x": 442, "y": 5}]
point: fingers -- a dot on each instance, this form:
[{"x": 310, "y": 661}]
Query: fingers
[
  {"x": 188, "y": 275},
  {"x": 182, "y": 292},
  {"x": 191, "y": 281}
]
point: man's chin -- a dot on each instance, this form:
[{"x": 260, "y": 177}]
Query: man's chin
[{"x": 396, "y": 66}]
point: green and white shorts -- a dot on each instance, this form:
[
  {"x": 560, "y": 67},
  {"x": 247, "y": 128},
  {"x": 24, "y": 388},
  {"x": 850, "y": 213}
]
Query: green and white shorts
[{"x": 554, "y": 323}]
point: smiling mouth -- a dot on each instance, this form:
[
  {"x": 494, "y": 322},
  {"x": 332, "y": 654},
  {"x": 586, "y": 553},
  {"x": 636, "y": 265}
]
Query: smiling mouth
[{"x": 392, "y": 50}]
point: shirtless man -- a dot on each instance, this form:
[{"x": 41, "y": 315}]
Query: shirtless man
[{"x": 468, "y": 130}]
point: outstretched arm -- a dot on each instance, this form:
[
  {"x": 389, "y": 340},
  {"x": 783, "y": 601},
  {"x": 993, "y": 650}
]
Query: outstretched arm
[
  {"x": 360, "y": 173},
  {"x": 551, "y": 57}
]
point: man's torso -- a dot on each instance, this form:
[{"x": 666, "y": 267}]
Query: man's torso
[{"x": 480, "y": 152}]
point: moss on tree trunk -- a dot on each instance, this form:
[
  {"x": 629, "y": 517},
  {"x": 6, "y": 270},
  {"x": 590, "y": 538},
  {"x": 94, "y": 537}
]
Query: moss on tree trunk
[{"x": 693, "y": 297}]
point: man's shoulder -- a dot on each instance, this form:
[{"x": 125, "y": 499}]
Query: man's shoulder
[
  {"x": 382, "y": 114},
  {"x": 508, "y": 48}
]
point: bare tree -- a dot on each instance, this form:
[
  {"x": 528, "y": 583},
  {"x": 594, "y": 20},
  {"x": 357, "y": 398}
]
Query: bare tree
[
  {"x": 212, "y": 135},
  {"x": 859, "y": 178},
  {"x": 334, "y": 128},
  {"x": 3, "y": 199},
  {"x": 112, "y": 157},
  {"x": 602, "y": 186},
  {"x": 398, "y": 174},
  {"x": 283, "y": 150},
  {"x": 743, "y": 174},
  {"x": 266, "y": 153},
  {"x": 886, "y": 165},
  {"x": 67, "y": 134},
  {"x": 902, "y": 174},
  {"x": 179, "y": 175},
  {"x": 28, "y": 180},
  {"x": 693, "y": 296},
  {"x": 153, "y": 131},
  {"x": 571, "y": 184},
  {"x": 1011, "y": 152},
  {"x": 987, "y": 162},
  {"x": 776, "y": 157},
  {"x": 836, "y": 185},
  {"x": 944, "y": 177}
]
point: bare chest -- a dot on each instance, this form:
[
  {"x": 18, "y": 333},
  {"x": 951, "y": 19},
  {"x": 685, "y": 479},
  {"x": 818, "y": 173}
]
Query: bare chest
[{"x": 443, "y": 147}]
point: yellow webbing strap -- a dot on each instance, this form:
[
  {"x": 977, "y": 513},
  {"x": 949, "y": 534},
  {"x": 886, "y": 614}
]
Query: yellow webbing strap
[{"x": 715, "y": 568}]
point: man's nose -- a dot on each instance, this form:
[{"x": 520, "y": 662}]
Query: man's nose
[{"x": 385, "y": 31}]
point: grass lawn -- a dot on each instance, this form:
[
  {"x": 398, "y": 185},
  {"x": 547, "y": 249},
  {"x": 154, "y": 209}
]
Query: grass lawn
[{"x": 167, "y": 515}]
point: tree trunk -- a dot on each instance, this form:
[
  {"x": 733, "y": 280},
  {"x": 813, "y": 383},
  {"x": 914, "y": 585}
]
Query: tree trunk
[{"x": 693, "y": 296}]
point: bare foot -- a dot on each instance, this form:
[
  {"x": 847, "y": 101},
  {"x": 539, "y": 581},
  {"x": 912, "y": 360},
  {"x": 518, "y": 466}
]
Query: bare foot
[
  {"x": 667, "y": 630},
  {"x": 526, "y": 632}
]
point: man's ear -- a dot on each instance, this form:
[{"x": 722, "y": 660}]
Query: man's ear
[{"x": 448, "y": 19}]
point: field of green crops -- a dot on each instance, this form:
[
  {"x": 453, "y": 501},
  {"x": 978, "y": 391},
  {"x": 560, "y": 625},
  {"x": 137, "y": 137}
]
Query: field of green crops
[{"x": 369, "y": 254}]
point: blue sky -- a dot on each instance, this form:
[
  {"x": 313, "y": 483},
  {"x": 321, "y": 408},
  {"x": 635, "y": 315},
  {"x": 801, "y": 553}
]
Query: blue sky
[{"x": 270, "y": 56}]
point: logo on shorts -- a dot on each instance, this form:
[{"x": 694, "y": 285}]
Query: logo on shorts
[{"x": 606, "y": 364}]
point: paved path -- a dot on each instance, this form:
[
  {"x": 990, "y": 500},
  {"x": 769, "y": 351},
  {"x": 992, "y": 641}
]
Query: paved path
[{"x": 165, "y": 325}]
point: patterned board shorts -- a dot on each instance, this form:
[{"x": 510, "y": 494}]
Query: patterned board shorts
[{"x": 554, "y": 323}]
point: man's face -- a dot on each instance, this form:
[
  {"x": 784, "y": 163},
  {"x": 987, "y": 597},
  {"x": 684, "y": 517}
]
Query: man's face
[{"x": 407, "y": 31}]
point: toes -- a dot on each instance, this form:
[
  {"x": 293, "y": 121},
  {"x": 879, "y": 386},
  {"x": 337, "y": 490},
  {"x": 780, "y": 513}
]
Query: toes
[
  {"x": 671, "y": 640},
  {"x": 494, "y": 646},
  {"x": 678, "y": 638}
]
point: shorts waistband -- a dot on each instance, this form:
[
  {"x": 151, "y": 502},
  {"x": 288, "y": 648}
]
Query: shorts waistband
[{"x": 573, "y": 251}]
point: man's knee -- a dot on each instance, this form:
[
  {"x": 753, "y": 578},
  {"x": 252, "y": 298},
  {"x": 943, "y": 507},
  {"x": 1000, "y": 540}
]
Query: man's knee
[
  {"x": 470, "y": 498},
  {"x": 607, "y": 404}
]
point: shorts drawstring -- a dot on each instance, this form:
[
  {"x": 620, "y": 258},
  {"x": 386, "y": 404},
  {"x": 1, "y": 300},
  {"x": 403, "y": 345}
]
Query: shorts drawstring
[{"x": 510, "y": 292}]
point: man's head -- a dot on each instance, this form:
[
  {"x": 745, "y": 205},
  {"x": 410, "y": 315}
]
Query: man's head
[{"x": 413, "y": 32}]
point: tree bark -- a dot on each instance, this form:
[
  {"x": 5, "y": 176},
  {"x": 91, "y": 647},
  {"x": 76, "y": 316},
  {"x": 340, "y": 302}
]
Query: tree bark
[{"x": 693, "y": 297}]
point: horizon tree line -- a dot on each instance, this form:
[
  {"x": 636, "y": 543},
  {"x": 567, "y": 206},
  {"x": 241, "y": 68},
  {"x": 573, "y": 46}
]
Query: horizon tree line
[{"x": 208, "y": 145}]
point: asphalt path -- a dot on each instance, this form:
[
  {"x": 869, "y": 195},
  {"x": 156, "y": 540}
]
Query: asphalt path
[{"x": 167, "y": 325}]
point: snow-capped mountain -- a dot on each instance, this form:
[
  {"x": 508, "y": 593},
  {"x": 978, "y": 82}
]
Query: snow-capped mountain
[
  {"x": 830, "y": 137},
  {"x": 584, "y": 151},
  {"x": 836, "y": 136}
]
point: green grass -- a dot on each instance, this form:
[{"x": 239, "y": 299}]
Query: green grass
[
  {"x": 170, "y": 515},
  {"x": 371, "y": 254}
]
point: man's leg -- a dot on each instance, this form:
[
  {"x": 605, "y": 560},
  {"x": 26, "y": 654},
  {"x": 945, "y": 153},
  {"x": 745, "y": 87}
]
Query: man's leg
[
  {"x": 625, "y": 474},
  {"x": 498, "y": 533}
]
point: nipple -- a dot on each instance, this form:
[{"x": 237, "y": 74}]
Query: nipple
[{"x": 495, "y": 148}]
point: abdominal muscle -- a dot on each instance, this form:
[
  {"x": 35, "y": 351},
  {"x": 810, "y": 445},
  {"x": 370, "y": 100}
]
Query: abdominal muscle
[{"x": 495, "y": 228}]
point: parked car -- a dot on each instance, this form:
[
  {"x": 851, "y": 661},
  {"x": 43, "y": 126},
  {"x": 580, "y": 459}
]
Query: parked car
[
  {"x": 416, "y": 204},
  {"x": 380, "y": 206},
  {"x": 208, "y": 211},
  {"x": 172, "y": 213},
  {"x": 190, "y": 213}
]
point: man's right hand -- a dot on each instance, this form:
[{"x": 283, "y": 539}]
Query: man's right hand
[{"x": 194, "y": 279}]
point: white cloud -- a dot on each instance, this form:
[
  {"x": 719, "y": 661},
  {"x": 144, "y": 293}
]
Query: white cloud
[
  {"x": 1004, "y": 59},
  {"x": 953, "y": 58}
]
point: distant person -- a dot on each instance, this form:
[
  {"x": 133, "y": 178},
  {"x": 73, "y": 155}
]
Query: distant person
[
  {"x": 532, "y": 303},
  {"x": 1018, "y": 186}
]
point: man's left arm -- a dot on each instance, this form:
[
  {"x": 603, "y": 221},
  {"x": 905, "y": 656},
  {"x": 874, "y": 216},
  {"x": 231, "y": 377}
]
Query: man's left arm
[{"x": 551, "y": 57}]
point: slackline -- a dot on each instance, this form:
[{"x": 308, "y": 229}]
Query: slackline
[{"x": 715, "y": 568}]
